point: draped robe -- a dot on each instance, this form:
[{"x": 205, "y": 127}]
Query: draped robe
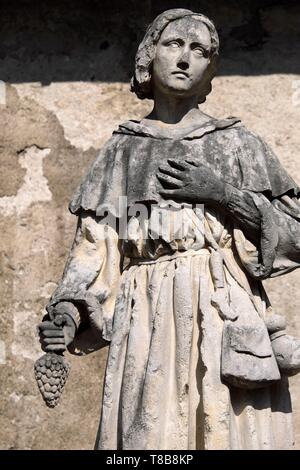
[{"x": 161, "y": 292}]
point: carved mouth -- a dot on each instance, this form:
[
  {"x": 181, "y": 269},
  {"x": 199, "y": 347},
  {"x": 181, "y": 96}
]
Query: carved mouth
[{"x": 180, "y": 73}]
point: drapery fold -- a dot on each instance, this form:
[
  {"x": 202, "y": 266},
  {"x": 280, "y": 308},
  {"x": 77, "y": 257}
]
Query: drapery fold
[{"x": 154, "y": 297}]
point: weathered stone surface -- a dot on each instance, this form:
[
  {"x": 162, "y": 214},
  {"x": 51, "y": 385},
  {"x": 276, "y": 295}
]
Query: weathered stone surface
[{"x": 59, "y": 126}]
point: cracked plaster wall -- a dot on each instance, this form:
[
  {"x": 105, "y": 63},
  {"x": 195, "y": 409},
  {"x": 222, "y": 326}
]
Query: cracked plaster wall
[{"x": 63, "y": 98}]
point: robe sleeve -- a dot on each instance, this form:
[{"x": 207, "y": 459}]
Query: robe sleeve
[
  {"x": 90, "y": 281},
  {"x": 278, "y": 249},
  {"x": 287, "y": 220}
]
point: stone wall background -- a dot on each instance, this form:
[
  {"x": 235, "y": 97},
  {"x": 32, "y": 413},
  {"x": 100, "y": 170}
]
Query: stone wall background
[{"x": 65, "y": 68}]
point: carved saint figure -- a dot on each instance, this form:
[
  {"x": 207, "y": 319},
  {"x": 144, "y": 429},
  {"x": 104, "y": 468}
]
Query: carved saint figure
[{"x": 197, "y": 358}]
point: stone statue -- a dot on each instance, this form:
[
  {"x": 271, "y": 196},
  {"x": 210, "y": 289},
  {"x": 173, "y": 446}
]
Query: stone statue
[{"x": 197, "y": 358}]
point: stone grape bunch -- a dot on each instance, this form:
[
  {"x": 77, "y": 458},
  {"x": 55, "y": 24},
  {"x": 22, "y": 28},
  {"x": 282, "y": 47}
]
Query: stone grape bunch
[{"x": 51, "y": 372}]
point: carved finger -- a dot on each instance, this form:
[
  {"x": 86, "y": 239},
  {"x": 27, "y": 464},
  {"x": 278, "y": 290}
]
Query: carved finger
[
  {"x": 169, "y": 181},
  {"x": 53, "y": 341},
  {"x": 172, "y": 172},
  {"x": 171, "y": 193},
  {"x": 53, "y": 333},
  {"x": 48, "y": 325},
  {"x": 55, "y": 348},
  {"x": 182, "y": 165},
  {"x": 192, "y": 162}
]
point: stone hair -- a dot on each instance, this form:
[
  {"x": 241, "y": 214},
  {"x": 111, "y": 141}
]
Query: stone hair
[{"x": 141, "y": 80}]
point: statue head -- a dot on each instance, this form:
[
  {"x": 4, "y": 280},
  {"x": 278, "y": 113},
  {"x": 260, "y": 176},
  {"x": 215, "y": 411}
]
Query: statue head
[{"x": 178, "y": 54}]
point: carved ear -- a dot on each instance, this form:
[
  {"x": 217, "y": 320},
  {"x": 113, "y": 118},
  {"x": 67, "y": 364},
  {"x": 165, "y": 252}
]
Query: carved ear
[{"x": 209, "y": 75}]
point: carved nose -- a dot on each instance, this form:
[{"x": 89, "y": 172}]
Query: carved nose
[{"x": 183, "y": 64}]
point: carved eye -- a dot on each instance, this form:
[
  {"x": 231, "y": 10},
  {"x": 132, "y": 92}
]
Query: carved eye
[
  {"x": 174, "y": 44},
  {"x": 199, "y": 51}
]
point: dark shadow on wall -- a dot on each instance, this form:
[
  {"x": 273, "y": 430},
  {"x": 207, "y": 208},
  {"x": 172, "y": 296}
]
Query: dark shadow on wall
[{"x": 96, "y": 40}]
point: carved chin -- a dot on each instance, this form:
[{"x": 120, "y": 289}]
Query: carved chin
[{"x": 180, "y": 86}]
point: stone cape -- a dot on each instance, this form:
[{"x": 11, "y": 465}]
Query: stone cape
[{"x": 128, "y": 163}]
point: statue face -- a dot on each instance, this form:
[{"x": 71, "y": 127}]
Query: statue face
[{"x": 182, "y": 57}]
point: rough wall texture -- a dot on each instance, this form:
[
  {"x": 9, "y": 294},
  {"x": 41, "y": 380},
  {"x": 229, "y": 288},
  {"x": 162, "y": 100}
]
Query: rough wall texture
[{"x": 66, "y": 69}]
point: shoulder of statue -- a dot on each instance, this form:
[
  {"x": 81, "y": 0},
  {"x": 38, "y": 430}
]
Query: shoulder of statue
[
  {"x": 131, "y": 127},
  {"x": 243, "y": 135}
]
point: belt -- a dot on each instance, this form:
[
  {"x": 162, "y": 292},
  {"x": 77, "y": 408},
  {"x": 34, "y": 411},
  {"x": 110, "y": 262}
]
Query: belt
[{"x": 163, "y": 258}]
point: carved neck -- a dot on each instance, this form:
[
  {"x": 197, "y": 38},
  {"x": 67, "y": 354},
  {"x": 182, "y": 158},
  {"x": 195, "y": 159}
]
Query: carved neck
[{"x": 172, "y": 110}]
